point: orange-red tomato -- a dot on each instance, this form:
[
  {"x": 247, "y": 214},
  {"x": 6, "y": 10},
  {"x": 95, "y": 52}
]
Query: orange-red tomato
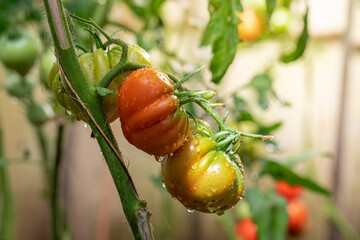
[
  {"x": 150, "y": 115},
  {"x": 246, "y": 229},
  {"x": 288, "y": 191},
  {"x": 298, "y": 216},
  {"x": 251, "y": 26},
  {"x": 201, "y": 177}
]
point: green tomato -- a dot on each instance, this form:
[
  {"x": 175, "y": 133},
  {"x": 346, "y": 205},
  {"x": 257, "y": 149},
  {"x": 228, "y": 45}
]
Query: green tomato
[
  {"x": 18, "y": 86},
  {"x": 46, "y": 63},
  {"x": 19, "y": 51},
  {"x": 95, "y": 66},
  {"x": 39, "y": 113},
  {"x": 203, "y": 178},
  {"x": 280, "y": 20}
]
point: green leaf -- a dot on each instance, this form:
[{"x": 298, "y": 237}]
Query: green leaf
[
  {"x": 262, "y": 84},
  {"x": 269, "y": 213},
  {"x": 155, "y": 6},
  {"x": 241, "y": 108},
  {"x": 301, "y": 44},
  {"x": 104, "y": 91},
  {"x": 267, "y": 130},
  {"x": 270, "y": 6},
  {"x": 281, "y": 172},
  {"x": 305, "y": 156},
  {"x": 221, "y": 32}
]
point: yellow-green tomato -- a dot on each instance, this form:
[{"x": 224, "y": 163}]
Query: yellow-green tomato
[
  {"x": 280, "y": 20},
  {"x": 95, "y": 66},
  {"x": 203, "y": 178}
]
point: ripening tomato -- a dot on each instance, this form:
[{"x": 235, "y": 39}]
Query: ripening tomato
[
  {"x": 298, "y": 216},
  {"x": 251, "y": 26},
  {"x": 95, "y": 66},
  {"x": 246, "y": 229},
  {"x": 19, "y": 50},
  {"x": 288, "y": 191},
  {"x": 150, "y": 115},
  {"x": 201, "y": 177}
]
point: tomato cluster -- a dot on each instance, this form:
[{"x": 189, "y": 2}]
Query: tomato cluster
[{"x": 194, "y": 172}]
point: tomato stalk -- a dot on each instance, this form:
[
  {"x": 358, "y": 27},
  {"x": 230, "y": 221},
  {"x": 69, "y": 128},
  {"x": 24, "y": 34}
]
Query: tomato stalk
[{"x": 90, "y": 105}]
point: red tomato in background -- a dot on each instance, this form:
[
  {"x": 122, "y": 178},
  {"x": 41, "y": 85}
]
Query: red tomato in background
[
  {"x": 150, "y": 115},
  {"x": 288, "y": 191},
  {"x": 246, "y": 229},
  {"x": 298, "y": 216}
]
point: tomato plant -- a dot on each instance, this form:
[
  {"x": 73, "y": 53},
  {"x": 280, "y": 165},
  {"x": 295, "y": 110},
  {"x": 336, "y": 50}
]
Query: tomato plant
[
  {"x": 19, "y": 50},
  {"x": 246, "y": 229},
  {"x": 18, "y": 86},
  {"x": 201, "y": 177},
  {"x": 39, "y": 113},
  {"x": 288, "y": 191},
  {"x": 251, "y": 26},
  {"x": 46, "y": 63},
  {"x": 150, "y": 116},
  {"x": 298, "y": 216},
  {"x": 95, "y": 66}
]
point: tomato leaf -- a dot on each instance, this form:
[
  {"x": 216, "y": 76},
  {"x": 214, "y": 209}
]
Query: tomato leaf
[
  {"x": 221, "y": 32},
  {"x": 270, "y": 6},
  {"x": 305, "y": 156},
  {"x": 269, "y": 213},
  {"x": 281, "y": 172},
  {"x": 301, "y": 44},
  {"x": 104, "y": 91},
  {"x": 262, "y": 84},
  {"x": 241, "y": 109}
]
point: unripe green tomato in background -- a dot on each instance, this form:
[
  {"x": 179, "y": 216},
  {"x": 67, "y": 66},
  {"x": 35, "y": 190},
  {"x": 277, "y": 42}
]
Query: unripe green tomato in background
[
  {"x": 203, "y": 178},
  {"x": 39, "y": 113},
  {"x": 19, "y": 50},
  {"x": 280, "y": 20},
  {"x": 95, "y": 66},
  {"x": 18, "y": 86}
]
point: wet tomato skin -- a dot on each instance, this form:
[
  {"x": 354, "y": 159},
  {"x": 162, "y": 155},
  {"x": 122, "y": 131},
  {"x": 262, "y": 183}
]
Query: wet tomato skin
[
  {"x": 150, "y": 115},
  {"x": 201, "y": 177}
]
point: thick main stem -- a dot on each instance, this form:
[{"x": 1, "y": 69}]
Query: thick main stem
[{"x": 90, "y": 105}]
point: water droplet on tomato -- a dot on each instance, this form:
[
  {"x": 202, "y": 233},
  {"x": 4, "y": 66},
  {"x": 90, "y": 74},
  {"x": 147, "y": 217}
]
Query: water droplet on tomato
[
  {"x": 219, "y": 212},
  {"x": 208, "y": 193},
  {"x": 159, "y": 158},
  {"x": 86, "y": 125},
  {"x": 190, "y": 210},
  {"x": 192, "y": 148},
  {"x": 163, "y": 185},
  {"x": 157, "y": 91},
  {"x": 68, "y": 112},
  {"x": 151, "y": 84},
  {"x": 196, "y": 141},
  {"x": 155, "y": 103},
  {"x": 197, "y": 149}
]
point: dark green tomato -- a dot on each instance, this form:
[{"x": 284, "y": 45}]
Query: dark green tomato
[
  {"x": 18, "y": 86},
  {"x": 95, "y": 66},
  {"x": 203, "y": 178},
  {"x": 19, "y": 51},
  {"x": 46, "y": 63},
  {"x": 39, "y": 113}
]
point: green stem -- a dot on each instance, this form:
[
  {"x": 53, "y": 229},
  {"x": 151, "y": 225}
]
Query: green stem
[
  {"x": 91, "y": 107},
  {"x": 44, "y": 152},
  {"x": 6, "y": 227},
  {"x": 57, "y": 216}
]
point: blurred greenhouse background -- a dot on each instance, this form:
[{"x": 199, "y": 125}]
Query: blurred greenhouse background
[{"x": 322, "y": 89}]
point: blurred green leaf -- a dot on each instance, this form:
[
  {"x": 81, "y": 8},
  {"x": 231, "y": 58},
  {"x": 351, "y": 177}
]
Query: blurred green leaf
[
  {"x": 308, "y": 155},
  {"x": 340, "y": 222},
  {"x": 270, "y": 6},
  {"x": 155, "y": 6},
  {"x": 242, "y": 112},
  {"x": 157, "y": 181},
  {"x": 301, "y": 44},
  {"x": 262, "y": 84},
  {"x": 140, "y": 11},
  {"x": 281, "y": 172},
  {"x": 269, "y": 213},
  {"x": 221, "y": 32},
  {"x": 267, "y": 130},
  {"x": 82, "y": 8}
]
